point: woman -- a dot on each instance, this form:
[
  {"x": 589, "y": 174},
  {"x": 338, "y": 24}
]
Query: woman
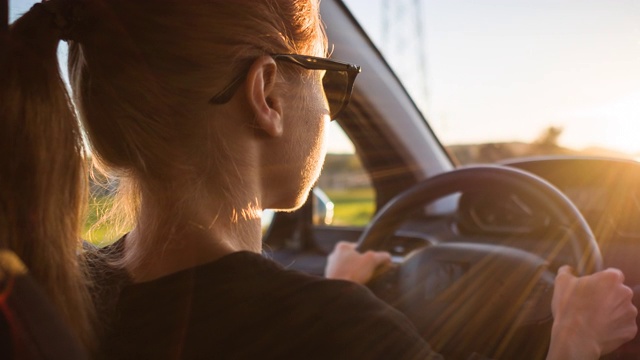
[{"x": 209, "y": 112}]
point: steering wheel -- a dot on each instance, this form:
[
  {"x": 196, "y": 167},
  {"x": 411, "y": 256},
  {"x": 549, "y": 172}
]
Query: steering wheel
[{"x": 469, "y": 297}]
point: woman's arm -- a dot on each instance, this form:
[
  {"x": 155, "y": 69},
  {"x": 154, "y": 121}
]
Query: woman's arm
[{"x": 593, "y": 315}]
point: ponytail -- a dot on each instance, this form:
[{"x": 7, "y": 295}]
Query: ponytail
[{"x": 42, "y": 171}]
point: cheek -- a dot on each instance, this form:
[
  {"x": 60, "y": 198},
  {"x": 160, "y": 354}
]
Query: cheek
[
  {"x": 310, "y": 151},
  {"x": 319, "y": 121},
  {"x": 303, "y": 155},
  {"x": 315, "y": 158}
]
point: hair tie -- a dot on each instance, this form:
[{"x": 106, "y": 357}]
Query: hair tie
[{"x": 67, "y": 16}]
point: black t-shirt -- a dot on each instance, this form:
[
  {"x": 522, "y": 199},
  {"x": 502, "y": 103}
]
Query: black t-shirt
[{"x": 244, "y": 306}]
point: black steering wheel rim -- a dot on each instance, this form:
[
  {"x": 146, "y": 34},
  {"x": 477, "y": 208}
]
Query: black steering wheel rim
[{"x": 588, "y": 257}]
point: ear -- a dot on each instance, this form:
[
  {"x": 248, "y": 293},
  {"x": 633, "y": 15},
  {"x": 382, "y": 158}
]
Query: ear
[{"x": 263, "y": 98}]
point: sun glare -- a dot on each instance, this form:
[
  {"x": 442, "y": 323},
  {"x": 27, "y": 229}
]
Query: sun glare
[{"x": 613, "y": 125}]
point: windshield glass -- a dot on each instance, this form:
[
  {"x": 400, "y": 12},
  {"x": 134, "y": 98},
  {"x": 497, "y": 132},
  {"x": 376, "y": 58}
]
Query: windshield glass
[{"x": 500, "y": 79}]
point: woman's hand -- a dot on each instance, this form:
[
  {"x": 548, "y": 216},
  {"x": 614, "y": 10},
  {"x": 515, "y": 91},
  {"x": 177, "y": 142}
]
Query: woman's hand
[
  {"x": 345, "y": 263},
  {"x": 593, "y": 315}
]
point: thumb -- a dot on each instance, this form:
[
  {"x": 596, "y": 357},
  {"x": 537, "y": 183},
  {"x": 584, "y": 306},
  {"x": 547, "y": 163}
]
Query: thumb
[
  {"x": 566, "y": 270},
  {"x": 382, "y": 257}
]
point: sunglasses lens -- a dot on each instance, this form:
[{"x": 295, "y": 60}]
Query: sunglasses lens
[{"x": 335, "y": 85}]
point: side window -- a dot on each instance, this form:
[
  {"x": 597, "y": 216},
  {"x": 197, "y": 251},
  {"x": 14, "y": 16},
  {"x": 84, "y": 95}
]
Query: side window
[
  {"x": 344, "y": 185},
  {"x": 101, "y": 198}
]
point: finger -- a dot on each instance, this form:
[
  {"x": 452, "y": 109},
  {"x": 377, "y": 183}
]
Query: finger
[
  {"x": 566, "y": 270},
  {"x": 376, "y": 257},
  {"x": 382, "y": 257},
  {"x": 615, "y": 273},
  {"x": 344, "y": 245}
]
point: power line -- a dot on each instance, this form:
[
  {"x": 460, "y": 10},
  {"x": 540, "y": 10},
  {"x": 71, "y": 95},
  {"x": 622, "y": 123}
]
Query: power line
[{"x": 404, "y": 44}]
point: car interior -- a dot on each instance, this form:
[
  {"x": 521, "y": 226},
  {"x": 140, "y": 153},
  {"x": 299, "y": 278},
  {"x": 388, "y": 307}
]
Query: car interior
[{"x": 475, "y": 248}]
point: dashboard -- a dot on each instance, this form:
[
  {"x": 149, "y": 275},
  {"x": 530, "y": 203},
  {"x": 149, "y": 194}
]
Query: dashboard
[{"x": 606, "y": 191}]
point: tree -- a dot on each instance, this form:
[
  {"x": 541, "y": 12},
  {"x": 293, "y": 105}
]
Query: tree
[{"x": 547, "y": 142}]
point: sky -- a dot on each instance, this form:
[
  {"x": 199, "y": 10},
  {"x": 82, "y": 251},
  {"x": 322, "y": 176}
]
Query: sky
[{"x": 504, "y": 70}]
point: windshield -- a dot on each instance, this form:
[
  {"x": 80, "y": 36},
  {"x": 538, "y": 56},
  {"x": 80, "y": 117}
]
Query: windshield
[{"x": 501, "y": 79}]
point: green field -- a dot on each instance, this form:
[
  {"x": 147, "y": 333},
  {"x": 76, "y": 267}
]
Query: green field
[
  {"x": 102, "y": 234},
  {"x": 352, "y": 206}
]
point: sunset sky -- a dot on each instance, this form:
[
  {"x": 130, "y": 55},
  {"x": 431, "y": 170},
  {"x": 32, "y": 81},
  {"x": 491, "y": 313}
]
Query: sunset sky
[{"x": 502, "y": 70}]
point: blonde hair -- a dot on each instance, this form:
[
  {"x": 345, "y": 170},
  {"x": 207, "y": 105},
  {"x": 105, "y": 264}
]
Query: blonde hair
[
  {"x": 42, "y": 176},
  {"x": 142, "y": 69}
]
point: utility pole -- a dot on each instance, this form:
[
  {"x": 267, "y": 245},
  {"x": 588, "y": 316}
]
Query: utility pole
[{"x": 404, "y": 45}]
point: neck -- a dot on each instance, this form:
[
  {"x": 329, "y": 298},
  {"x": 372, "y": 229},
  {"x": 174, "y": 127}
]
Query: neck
[{"x": 169, "y": 237}]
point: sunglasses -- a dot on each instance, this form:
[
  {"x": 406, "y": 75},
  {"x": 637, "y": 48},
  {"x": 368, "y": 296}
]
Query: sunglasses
[{"x": 337, "y": 81}]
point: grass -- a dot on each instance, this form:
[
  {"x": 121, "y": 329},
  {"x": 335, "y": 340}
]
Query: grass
[
  {"x": 352, "y": 206},
  {"x": 98, "y": 234}
]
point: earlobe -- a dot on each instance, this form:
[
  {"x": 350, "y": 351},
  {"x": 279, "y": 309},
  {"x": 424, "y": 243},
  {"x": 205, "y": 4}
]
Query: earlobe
[{"x": 263, "y": 97}]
